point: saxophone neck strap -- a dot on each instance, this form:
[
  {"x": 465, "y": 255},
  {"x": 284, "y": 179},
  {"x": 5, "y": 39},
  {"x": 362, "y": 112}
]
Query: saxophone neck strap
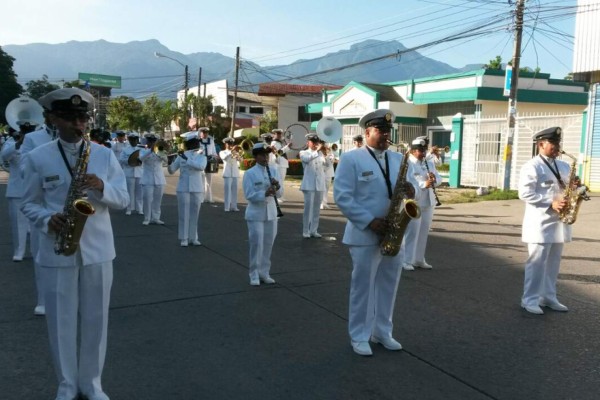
[
  {"x": 64, "y": 156},
  {"x": 386, "y": 172},
  {"x": 554, "y": 171}
]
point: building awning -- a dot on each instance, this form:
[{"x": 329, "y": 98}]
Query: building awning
[
  {"x": 316, "y": 108},
  {"x": 246, "y": 132}
]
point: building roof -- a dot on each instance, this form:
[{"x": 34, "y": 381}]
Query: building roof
[
  {"x": 386, "y": 92},
  {"x": 281, "y": 89}
]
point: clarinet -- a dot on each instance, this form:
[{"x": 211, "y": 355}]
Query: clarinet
[
  {"x": 279, "y": 213},
  {"x": 437, "y": 200}
]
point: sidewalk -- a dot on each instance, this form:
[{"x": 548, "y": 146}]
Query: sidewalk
[{"x": 185, "y": 323}]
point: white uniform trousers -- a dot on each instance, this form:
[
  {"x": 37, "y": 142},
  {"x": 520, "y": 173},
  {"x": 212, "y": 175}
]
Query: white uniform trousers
[
  {"x": 541, "y": 273},
  {"x": 69, "y": 291},
  {"x": 152, "y": 200},
  {"x": 324, "y": 201},
  {"x": 312, "y": 205},
  {"x": 373, "y": 290},
  {"x": 208, "y": 188},
  {"x": 415, "y": 237},
  {"x": 134, "y": 188},
  {"x": 19, "y": 225},
  {"x": 282, "y": 173},
  {"x": 230, "y": 193},
  {"x": 34, "y": 244},
  {"x": 261, "y": 236},
  {"x": 188, "y": 207}
]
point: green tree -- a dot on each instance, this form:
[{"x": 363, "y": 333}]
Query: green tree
[
  {"x": 494, "y": 64},
  {"x": 268, "y": 122},
  {"x": 9, "y": 87},
  {"x": 202, "y": 108},
  {"x": 40, "y": 87},
  {"x": 126, "y": 113},
  {"x": 166, "y": 115}
]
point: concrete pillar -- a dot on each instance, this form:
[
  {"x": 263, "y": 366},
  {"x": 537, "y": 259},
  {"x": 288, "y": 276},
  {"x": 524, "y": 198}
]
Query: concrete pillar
[{"x": 456, "y": 150}]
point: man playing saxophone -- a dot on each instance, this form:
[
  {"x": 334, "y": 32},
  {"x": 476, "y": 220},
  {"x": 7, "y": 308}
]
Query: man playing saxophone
[
  {"x": 363, "y": 190},
  {"x": 417, "y": 231},
  {"x": 542, "y": 182},
  {"x": 79, "y": 283}
]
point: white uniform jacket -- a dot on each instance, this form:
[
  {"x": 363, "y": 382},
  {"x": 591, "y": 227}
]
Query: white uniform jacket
[
  {"x": 153, "y": 168},
  {"x": 255, "y": 183},
  {"x": 118, "y": 147},
  {"x": 191, "y": 178},
  {"x": 12, "y": 156},
  {"x": 427, "y": 198},
  {"x": 231, "y": 166},
  {"x": 538, "y": 188},
  {"x": 47, "y": 183},
  {"x": 281, "y": 161},
  {"x": 313, "y": 163},
  {"x": 130, "y": 172},
  {"x": 329, "y": 168},
  {"x": 208, "y": 145},
  {"x": 35, "y": 139},
  {"x": 360, "y": 191}
]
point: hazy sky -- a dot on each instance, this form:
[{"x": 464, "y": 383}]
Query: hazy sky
[{"x": 272, "y": 32}]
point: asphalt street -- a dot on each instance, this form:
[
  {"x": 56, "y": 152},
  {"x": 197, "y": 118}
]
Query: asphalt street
[{"x": 186, "y": 324}]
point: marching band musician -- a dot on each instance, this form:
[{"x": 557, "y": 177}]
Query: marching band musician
[
  {"x": 268, "y": 139},
  {"x": 427, "y": 178},
  {"x": 210, "y": 151},
  {"x": 363, "y": 188},
  {"x": 133, "y": 174},
  {"x": 329, "y": 173},
  {"x": 77, "y": 284},
  {"x": 541, "y": 183},
  {"x": 261, "y": 213},
  {"x": 118, "y": 145},
  {"x": 153, "y": 180},
  {"x": 45, "y": 134},
  {"x": 190, "y": 188},
  {"x": 282, "y": 161},
  {"x": 357, "y": 142},
  {"x": 231, "y": 173},
  {"x": 313, "y": 185},
  {"x": 11, "y": 153}
]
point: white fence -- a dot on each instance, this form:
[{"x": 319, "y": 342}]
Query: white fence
[{"x": 484, "y": 140}]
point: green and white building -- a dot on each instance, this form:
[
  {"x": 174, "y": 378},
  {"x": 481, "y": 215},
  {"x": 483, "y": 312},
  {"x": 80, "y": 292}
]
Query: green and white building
[{"x": 468, "y": 112}]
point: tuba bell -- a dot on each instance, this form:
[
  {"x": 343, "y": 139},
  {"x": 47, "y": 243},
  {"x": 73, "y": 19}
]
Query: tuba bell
[
  {"x": 24, "y": 110},
  {"x": 329, "y": 129}
]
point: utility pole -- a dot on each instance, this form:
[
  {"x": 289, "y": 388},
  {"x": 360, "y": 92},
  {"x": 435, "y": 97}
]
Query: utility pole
[
  {"x": 186, "y": 85},
  {"x": 199, "y": 80},
  {"x": 512, "y": 98},
  {"x": 237, "y": 71}
]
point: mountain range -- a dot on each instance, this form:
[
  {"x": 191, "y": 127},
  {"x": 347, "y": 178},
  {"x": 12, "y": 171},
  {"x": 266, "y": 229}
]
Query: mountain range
[{"x": 143, "y": 73}]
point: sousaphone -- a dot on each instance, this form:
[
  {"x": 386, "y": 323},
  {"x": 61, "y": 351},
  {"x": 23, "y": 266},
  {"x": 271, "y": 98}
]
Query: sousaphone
[
  {"x": 24, "y": 110},
  {"x": 329, "y": 130}
]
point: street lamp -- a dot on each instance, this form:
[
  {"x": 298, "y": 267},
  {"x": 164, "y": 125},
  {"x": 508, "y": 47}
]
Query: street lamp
[{"x": 185, "y": 83}]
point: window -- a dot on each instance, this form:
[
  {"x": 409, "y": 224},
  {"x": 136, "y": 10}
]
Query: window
[
  {"x": 303, "y": 116},
  {"x": 241, "y": 109},
  {"x": 257, "y": 110}
]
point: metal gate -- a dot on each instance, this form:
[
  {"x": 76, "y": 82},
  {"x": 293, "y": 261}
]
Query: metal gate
[
  {"x": 484, "y": 140},
  {"x": 591, "y": 173}
]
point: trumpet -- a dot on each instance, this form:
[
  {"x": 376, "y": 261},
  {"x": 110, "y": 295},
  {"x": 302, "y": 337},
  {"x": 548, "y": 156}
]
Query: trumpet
[
  {"x": 438, "y": 150},
  {"x": 401, "y": 147},
  {"x": 236, "y": 153}
]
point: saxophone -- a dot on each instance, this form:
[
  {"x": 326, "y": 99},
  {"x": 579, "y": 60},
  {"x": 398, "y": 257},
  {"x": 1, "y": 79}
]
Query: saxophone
[
  {"x": 76, "y": 209},
  {"x": 573, "y": 196},
  {"x": 402, "y": 210}
]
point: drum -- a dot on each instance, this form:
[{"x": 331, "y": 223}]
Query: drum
[{"x": 212, "y": 165}]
